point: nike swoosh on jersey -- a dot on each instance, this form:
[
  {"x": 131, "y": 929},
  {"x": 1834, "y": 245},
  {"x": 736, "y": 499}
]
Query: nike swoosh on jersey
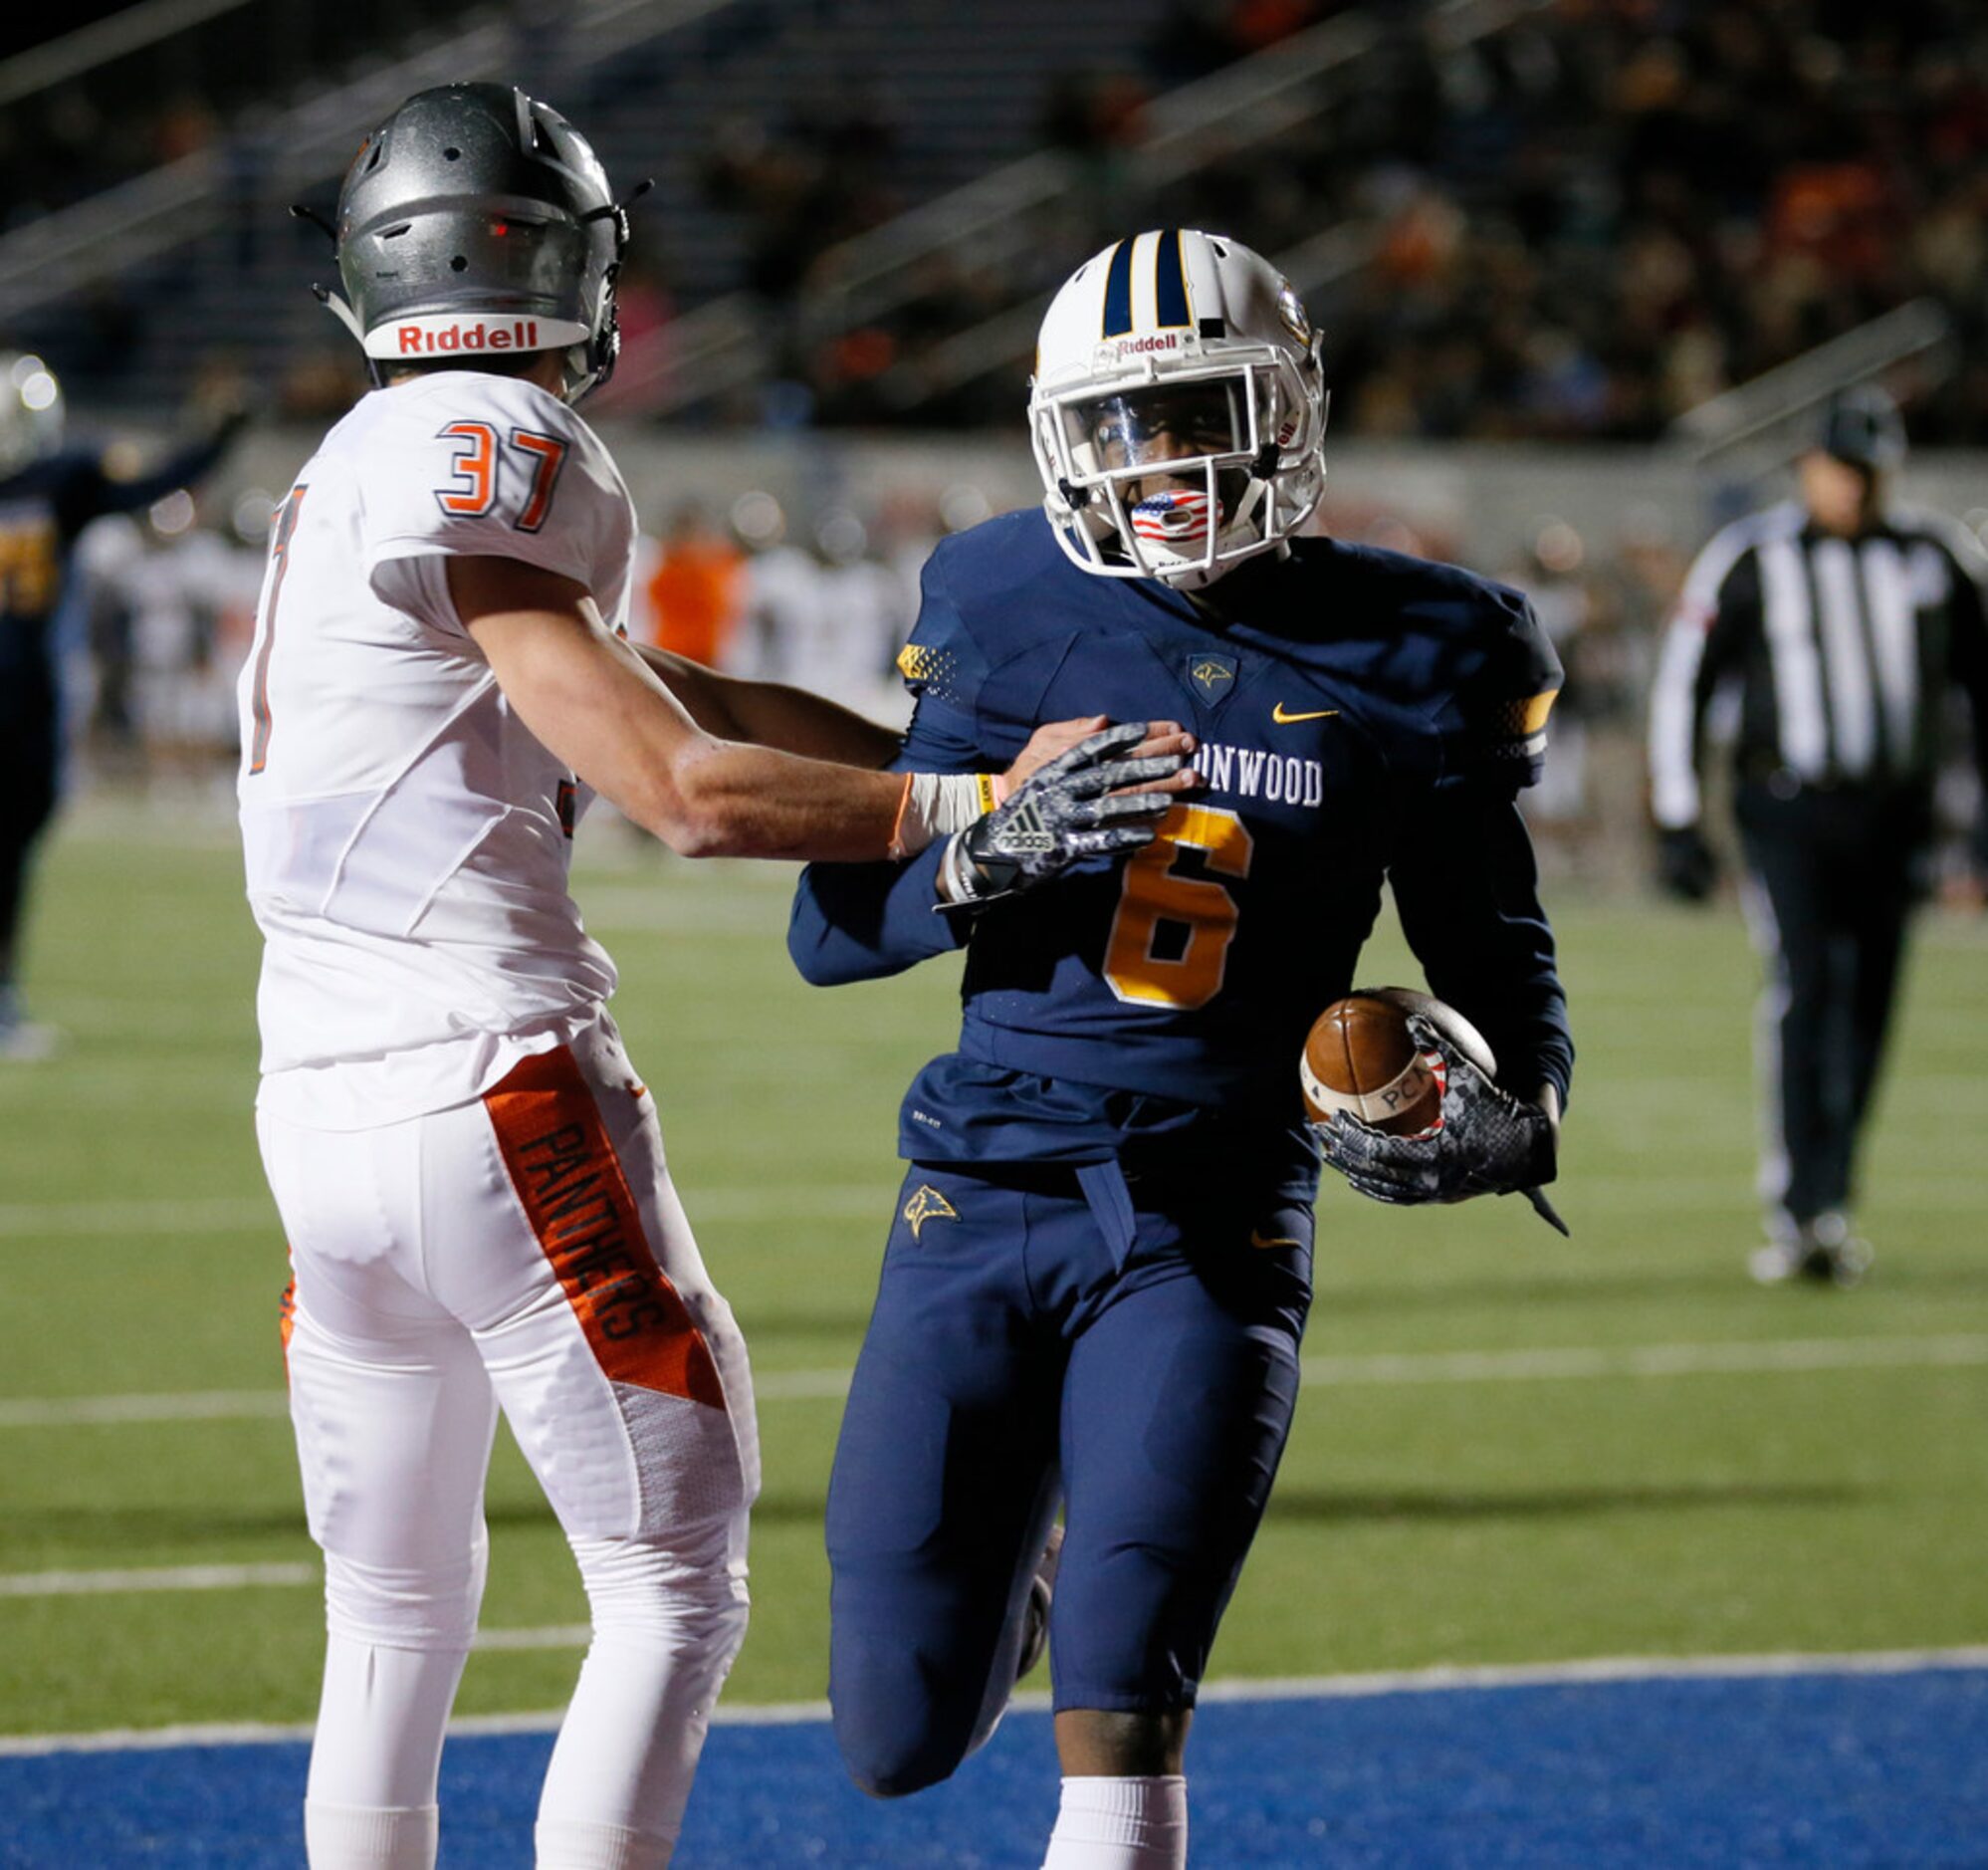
[{"x": 1284, "y": 719}]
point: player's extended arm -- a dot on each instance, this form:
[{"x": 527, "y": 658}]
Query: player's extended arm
[
  {"x": 861, "y": 922},
  {"x": 1468, "y": 895},
  {"x": 1467, "y": 892},
  {"x": 771, "y": 714},
  {"x": 180, "y": 468},
  {"x": 594, "y": 703}
]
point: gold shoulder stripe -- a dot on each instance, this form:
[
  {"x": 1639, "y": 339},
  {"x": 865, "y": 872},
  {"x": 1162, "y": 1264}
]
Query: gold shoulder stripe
[{"x": 1536, "y": 709}]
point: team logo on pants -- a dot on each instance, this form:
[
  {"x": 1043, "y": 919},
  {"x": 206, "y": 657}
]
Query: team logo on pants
[{"x": 927, "y": 1204}]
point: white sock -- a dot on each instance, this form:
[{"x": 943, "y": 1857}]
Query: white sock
[
  {"x": 565, "y": 1844},
  {"x": 368, "y": 1837},
  {"x": 1121, "y": 1824}
]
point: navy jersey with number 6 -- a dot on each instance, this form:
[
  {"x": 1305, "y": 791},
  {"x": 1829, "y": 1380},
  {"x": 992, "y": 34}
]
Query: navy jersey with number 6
[{"x": 1361, "y": 716}]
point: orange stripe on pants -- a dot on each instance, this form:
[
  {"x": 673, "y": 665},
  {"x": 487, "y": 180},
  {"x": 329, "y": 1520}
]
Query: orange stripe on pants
[{"x": 570, "y": 1180}]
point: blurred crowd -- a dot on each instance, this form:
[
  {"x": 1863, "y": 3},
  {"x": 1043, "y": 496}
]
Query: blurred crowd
[
  {"x": 1579, "y": 226},
  {"x": 178, "y": 95}
]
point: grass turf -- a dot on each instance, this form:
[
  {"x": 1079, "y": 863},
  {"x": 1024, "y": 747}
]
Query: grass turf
[{"x": 1415, "y": 1523}]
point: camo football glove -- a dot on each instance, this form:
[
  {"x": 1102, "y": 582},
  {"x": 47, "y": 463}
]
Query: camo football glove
[
  {"x": 1061, "y": 814},
  {"x": 1485, "y": 1142}
]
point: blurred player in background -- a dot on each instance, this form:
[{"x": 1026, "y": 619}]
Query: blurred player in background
[
  {"x": 1096, "y": 1282},
  {"x": 48, "y": 495},
  {"x": 470, "y": 1172},
  {"x": 1847, "y": 622},
  {"x": 696, "y": 591}
]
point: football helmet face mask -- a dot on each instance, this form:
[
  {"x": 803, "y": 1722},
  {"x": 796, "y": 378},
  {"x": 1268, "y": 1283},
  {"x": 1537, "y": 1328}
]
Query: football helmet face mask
[
  {"x": 1178, "y": 409},
  {"x": 477, "y": 220},
  {"x": 30, "y": 411}
]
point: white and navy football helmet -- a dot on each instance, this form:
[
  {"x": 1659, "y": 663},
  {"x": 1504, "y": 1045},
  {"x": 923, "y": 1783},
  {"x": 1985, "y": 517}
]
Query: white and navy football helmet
[
  {"x": 30, "y": 410},
  {"x": 477, "y": 221},
  {"x": 1178, "y": 409}
]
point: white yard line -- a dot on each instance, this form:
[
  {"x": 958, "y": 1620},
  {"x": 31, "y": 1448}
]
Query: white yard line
[
  {"x": 554, "y": 1636},
  {"x": 62, "y": 1412},
  {"x": 162, "y": 1578},
  {"x": 1757, "y": 1357},
  {"x": 1642, "y": 1362},
  {"x": 51, "y": 1220},
  {"x": 48, "y": 1220},
  {"x": 1443, "y": 1679},
  {"x": 251, "y": 1211}
]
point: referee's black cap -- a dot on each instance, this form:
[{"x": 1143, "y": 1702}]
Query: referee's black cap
[{"x": 1862, "y": 428}]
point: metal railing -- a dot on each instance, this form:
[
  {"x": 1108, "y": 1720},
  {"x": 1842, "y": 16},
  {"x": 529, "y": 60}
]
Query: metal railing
[
  {"x": 728, "y": 343},
  {"x": 96, "y": 239},
  {"x": 136, "y": 28},
  {"x": 1774, "y": 412}
]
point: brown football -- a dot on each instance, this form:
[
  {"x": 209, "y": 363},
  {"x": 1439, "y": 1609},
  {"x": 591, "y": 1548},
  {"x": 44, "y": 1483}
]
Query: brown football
[{"x": 1360, "y": 1057}]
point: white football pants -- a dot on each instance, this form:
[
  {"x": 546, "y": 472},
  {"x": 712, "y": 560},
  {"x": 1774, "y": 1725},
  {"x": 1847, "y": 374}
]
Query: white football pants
[{"x": 526, "y": 1252}]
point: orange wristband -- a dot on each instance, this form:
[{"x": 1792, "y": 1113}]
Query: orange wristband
[{"x": 895, "y": 849}]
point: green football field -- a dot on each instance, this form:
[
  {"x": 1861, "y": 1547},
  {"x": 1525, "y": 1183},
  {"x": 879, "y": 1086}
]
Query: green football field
[{"x": 1512, "y": 1447}]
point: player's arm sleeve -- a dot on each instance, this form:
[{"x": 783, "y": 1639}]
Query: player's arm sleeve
[
  {"x": 863, "y": 921},
  {"x": 1494, "y": 724},
  {"x": 1465, "y": 881},
  {"x": 1466, "y": 889},
  {"x": 1717, "y": 608}
]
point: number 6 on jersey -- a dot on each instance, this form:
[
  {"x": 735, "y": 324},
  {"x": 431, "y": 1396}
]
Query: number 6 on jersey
[{"x": 1184, "y": 969}]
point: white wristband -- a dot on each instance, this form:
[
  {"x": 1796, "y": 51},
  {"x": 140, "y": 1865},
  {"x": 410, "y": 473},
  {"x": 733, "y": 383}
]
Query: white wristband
[{"x": 936, "y": 805}]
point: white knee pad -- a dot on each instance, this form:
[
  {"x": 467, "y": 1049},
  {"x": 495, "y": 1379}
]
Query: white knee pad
[
  {"x": 687, "y": 1586},
  {"x": 423, "y": 1607}
]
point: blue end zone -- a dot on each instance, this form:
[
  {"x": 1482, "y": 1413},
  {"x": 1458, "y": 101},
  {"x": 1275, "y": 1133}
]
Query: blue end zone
[{"x": 1850, "y": 1771}]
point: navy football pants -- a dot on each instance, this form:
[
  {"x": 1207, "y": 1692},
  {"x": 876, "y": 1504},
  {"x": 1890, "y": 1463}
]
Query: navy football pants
[{"x": 1133, "y": 1352}]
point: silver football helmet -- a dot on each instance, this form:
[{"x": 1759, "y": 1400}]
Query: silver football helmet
[
  {"x": 477, "y": 221},
  {"x": 1178, "y": 409},
  {"x": 30, "y": 410}
]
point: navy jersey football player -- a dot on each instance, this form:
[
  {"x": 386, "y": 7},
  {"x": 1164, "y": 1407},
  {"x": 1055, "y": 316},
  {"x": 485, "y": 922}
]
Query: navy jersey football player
[
  {"x": 1098, "y": 1275},
  {"x": 48, "y": 495}
]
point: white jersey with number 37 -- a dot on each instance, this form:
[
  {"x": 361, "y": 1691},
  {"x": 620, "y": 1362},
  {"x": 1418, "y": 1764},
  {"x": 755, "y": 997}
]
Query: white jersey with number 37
[{"x": 407, "y": 838}]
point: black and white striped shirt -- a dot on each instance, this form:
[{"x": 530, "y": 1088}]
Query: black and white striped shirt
[{"x": 1842, "y": 652}]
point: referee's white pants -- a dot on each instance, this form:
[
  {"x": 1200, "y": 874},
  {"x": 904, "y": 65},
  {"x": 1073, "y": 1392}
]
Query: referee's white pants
[{"x": 526, "y": 1252}]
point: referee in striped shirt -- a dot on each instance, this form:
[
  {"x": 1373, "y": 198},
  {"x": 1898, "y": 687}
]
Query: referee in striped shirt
[{"x": 1844, "y": 624}]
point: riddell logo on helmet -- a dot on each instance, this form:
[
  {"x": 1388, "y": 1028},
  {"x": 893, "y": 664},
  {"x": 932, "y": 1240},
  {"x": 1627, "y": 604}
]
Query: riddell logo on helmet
[
  {"x": 415, "y": 340},
  {"x": 1139, "y": 347}
]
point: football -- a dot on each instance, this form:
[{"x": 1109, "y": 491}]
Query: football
[{"x": 1360, "y": 1057}]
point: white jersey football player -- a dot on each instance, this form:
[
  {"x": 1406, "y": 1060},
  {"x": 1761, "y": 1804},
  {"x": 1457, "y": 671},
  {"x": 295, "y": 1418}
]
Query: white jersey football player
[{"x": 467, "y": 1166}]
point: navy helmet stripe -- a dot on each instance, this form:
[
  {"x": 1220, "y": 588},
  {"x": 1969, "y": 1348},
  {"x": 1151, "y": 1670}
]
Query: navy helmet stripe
[
  {"x": 1170, "y": 280},
  {"x": 1118, "y": 291}
]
